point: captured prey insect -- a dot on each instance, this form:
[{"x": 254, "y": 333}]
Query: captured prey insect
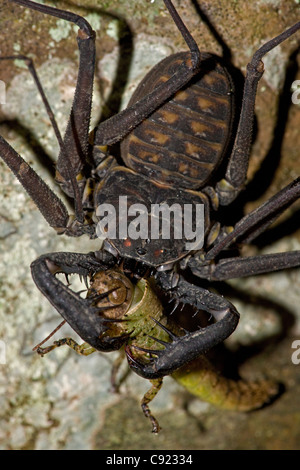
[
  {"x": 177, "y": 130},
  {"x": 135, "y": 311}
]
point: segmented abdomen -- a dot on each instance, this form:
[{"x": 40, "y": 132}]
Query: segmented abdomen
[
  {"x": 201, "y": 379},
  {"x": 185, "y": 139}
]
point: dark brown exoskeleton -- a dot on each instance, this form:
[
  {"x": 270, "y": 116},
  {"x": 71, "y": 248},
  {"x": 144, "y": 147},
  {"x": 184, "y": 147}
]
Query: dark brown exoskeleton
[{"x": 175, "y": 133}]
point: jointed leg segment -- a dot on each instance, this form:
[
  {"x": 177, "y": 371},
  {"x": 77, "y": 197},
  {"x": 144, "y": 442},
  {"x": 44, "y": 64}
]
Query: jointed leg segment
[
  {"x": 85, "y": 349},
  {"x": 246, "y": 230},
  {"x": 236, "y": 173}
]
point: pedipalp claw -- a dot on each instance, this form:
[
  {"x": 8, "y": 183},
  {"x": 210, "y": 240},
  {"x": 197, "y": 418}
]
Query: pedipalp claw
[
  {"x": 155, "y": 352},
  {"x": 136, "y": 364}
]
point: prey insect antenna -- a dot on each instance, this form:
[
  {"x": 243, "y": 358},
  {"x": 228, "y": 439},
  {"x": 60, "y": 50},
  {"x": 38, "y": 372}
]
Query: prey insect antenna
[{"x": 49, "y": 336}]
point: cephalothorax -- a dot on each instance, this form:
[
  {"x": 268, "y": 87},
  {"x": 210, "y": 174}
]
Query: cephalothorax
[{"x": 175, "y": 133}]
